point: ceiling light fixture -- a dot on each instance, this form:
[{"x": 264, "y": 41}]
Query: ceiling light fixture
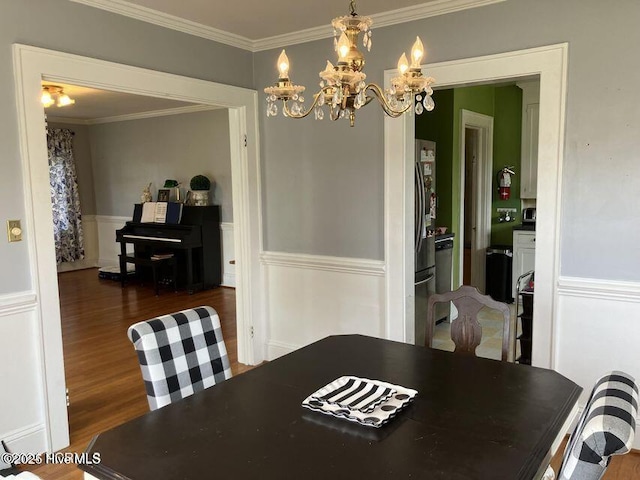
[
  {"x": 54, "y": 94},
  {"x": 343, "y": 88}
]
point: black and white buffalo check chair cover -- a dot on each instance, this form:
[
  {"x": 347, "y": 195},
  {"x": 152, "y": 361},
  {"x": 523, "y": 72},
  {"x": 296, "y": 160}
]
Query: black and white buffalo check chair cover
[
  {"x": 605, "y": 428},
  {"x": 180, "y": 354}
]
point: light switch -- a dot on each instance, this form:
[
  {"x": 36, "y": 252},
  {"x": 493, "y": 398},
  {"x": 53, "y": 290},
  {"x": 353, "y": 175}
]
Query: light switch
[{"x": 14, "y": 230}]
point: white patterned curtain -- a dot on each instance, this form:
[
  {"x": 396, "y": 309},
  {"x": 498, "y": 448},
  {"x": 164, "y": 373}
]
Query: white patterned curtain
[{"x": 65, "y": 199}]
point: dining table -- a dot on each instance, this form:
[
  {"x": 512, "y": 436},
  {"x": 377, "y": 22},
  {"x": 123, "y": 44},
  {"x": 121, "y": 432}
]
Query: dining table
[{"x": 471, "y": 419}]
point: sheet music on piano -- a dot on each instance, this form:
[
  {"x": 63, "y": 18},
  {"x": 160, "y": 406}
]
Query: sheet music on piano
[
  {"x": 161, "y": 212},
  {"x": 158, "y": 212}
]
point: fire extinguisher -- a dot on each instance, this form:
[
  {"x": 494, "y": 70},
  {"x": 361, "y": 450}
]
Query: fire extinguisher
[{"x": 504, "y": 182}]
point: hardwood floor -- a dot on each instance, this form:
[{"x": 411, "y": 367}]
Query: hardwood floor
[
  {"x": 102, "y": 372},
  {"x": 101, "y": 368}
]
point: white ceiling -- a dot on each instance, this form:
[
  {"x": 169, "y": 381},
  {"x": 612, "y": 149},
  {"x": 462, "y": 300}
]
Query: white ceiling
[
  {"x": 258, "y": 19},
  {"x": 94, "y": 106}
]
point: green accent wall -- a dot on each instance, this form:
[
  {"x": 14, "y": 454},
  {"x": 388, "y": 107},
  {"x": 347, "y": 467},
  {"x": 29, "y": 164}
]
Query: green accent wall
[
  {"x": 442, "y": 126},
  {"x": 507, "y": 139}
]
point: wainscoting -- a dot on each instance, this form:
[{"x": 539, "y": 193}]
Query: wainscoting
[
  {"x": 310, "y": 297},
  {"x": 597, "y": 330},
  {"x": 22, "y": 422},
  {"x": 91, "y": 247}
]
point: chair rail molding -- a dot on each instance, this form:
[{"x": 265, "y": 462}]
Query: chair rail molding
[
  {"x": 17, "y": 302},
  {"x": 359, "y": 266},
  {"x": 599, "y": 289}
]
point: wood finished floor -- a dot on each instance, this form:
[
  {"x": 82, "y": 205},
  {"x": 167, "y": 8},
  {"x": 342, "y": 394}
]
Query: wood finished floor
[
  {"x": 101, "y": 367},
  {"x": 102, "y": 371}
]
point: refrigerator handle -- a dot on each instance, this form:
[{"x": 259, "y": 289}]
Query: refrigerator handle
[
  {"x": 419, "y": 217},
  {"x": 428, "y": 279},
  {"x": 423, "y": 205}
]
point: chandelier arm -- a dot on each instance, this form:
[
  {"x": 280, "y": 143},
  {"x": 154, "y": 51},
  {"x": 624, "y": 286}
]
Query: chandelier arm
[
  {"x": 307, "y": 112},
  {"x": 388, "y": 109}
]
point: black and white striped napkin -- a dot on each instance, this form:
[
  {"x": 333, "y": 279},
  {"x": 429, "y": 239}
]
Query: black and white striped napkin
[{"x": 355, "y": 394}]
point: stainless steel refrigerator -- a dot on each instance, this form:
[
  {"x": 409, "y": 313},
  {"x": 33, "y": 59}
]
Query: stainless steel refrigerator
[{"x": 425, "y": 217}]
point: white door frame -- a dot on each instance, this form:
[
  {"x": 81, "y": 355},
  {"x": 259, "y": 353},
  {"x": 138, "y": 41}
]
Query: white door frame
[
  {"x": 550, "y": 63},
  {"x": 482, "y": 193},
  {"x": 31, "y": 66}
]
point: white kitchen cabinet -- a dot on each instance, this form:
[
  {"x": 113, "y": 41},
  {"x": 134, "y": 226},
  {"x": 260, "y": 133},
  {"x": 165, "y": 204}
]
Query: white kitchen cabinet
[
  {"x": 524, "y": 254},
  {"x": 529, "y": 150}
]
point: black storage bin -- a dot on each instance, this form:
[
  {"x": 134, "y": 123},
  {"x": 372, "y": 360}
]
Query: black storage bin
[{"x": 498, "y": 273}]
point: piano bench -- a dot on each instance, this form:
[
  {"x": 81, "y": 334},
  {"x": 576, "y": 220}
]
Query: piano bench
[{"x": 155, "y": 264}]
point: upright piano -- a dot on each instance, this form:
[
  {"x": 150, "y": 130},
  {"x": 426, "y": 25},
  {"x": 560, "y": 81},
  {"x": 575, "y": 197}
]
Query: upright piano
[{"x": 194, "y": 243}]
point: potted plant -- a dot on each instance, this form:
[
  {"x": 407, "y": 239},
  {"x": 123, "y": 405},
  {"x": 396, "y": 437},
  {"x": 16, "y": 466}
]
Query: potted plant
[{"x": 200, "y": 186}]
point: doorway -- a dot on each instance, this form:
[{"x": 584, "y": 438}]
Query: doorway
[
  {"x": 35, "y": 64},
  {"x": 550, "y": 63},
  {"x": 476, "y": 165}
]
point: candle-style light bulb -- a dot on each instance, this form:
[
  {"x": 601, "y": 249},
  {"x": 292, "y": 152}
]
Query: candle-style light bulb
[
  {"x": 417, "y": 53},
  {"x": 46, "y": 99},
  {"x": 283, "y": 65},
  {"x": 403, "y": 64},
  {"x": 64, "y": 100},
  {"x": 344, "y": 45}
]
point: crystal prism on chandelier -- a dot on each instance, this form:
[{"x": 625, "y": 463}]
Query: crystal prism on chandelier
[{"x": 343, "y": 87}]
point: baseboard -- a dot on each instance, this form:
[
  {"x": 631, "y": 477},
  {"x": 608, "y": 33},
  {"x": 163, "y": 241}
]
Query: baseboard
[
  {"x": 30, "y": 439},
  {"x": 229, "y": 280},
  {"x": 278, "y": 349},
  {"x": 83, "y": 264}
]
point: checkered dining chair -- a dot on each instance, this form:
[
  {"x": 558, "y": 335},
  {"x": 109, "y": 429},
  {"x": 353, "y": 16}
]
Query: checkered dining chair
[
  {"x": 605, "y": 428},
  {"x": 180, "y": 354}
]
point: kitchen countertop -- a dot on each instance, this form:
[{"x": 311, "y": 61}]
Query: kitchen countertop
[{"x": 531, "y": 227}]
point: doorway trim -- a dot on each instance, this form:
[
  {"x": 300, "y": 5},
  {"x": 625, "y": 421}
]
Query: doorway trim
[
  {"x": 550, "y": 64},
  {"x": 482, "y": 193},
  {"x": 31, "y": 66}
]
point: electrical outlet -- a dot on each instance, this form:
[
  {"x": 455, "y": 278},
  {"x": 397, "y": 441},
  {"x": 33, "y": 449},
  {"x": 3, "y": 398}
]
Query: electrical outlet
[{"x": 14, "y": 230}]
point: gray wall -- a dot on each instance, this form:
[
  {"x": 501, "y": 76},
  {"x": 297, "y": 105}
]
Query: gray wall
[
  {"x": 323, "y": 183},
  {"x": 129, "y": 155},
  {"x": 84, "y": 167},
  {"x": 70, "y": 27}
]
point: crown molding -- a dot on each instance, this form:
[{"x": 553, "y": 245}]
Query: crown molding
[
  {"x": 67, "y": 120},
  {"x": 385, "y": 19},
  {"x": 172, "y": 22},
  {"x": 132, "y": 116}
]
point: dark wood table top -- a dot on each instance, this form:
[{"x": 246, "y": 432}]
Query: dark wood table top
[{"x": 472, "y": 419}]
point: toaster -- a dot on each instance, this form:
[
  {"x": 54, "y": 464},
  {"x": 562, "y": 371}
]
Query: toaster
[{"x": 528, "y": 215}]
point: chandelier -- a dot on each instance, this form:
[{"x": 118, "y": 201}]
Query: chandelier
[
  {"x": 53, "y": 94},
  {"x": 343, "y": 87}
]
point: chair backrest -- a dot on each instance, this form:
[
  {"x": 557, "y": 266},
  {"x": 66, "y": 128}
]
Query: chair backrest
[
  {"x": 466, "y": 331},
  {"x": 605, "y": 428},
  {"x": 180, "y": 354}
]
